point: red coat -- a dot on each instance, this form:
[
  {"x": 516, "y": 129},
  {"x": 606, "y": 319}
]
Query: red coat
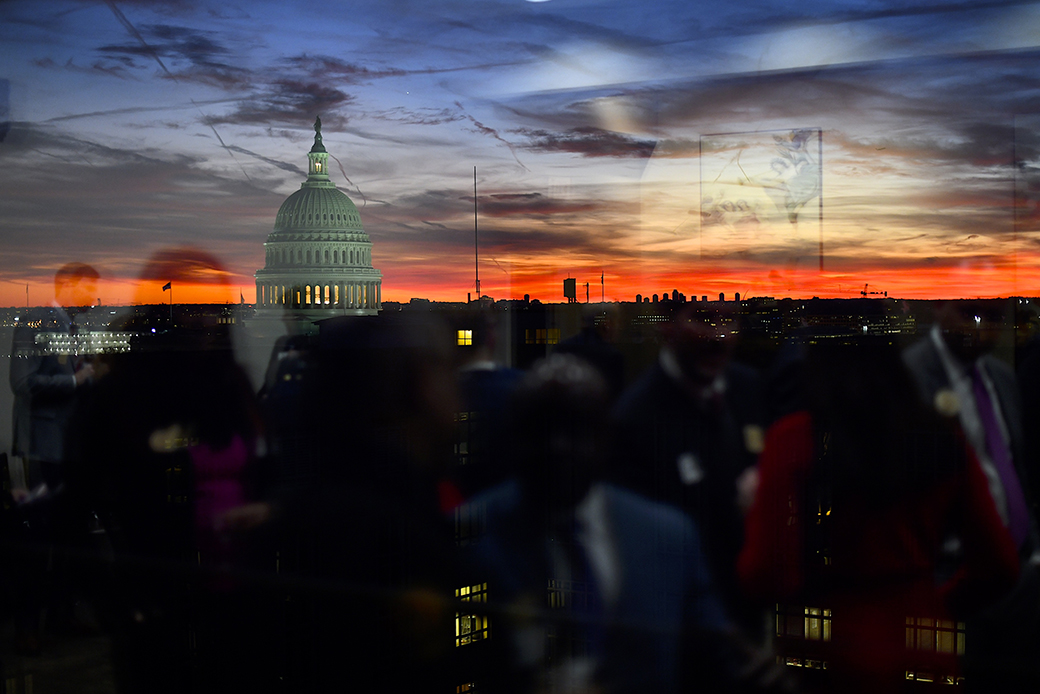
[{"x": 883, "y": 561}]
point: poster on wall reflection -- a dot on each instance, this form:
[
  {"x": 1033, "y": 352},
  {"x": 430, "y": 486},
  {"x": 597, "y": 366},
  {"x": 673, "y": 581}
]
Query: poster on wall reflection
[{"x": 761, "y": 196}]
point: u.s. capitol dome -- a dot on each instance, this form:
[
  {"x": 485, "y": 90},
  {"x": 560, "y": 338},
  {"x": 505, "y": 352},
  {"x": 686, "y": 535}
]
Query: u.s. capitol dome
[{"x": 319, "y": 258}]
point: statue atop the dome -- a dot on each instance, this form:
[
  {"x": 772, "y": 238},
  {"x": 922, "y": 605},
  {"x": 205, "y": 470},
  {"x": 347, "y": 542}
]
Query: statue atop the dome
[{"x": 318, "y": 146}]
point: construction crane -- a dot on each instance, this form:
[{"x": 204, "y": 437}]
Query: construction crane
[{"x": 866, "y": 293}]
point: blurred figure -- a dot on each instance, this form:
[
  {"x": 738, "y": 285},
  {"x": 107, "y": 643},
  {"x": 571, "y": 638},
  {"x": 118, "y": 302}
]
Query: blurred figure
[
  {"x": 281, "y": 404},
  {"x": 485, "y": 386},
  {"x": 857, "y": 496},
  {"x": 166, "y": 443},
  {"x": 632, "y": 607},
  {"x": 371, "y": 548},
  {"x": 954, "y": 364},
  {"x": 47, "y": 370},
  {"x": 690, "y": 429},
  {"x": 48, "y": 374},
  {"x": 595, "y": 344},
  {"x": 956, "y": 372}
]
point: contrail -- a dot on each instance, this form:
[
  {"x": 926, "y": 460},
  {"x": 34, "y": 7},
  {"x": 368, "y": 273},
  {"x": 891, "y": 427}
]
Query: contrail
[
  {"x": 344, "y": 172},
  {"x": 155, "y": 54},
  {"x": 495, "y": 261},
  {"x": 493, "y": 133},
  {"x": 137, "y": 35},
  {"x": 284, "y": 166}
]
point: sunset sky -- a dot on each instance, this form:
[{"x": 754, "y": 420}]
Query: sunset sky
[{"x": 701, "y": 146}]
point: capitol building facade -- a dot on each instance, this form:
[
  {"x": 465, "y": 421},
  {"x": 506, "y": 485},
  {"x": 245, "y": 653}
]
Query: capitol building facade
[{"x": 319, "y": 258}]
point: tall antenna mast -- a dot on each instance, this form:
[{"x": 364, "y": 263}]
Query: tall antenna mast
[{"x": 476, "y": 238}]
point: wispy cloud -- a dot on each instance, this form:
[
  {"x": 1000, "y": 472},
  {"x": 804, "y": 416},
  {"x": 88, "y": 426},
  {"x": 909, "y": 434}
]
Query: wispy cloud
[{"x": 587, "y": 141}]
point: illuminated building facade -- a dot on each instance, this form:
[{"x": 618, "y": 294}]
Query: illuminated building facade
[{"x": 319, "y": 258}]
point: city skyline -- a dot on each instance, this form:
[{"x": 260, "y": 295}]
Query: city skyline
[{"x": 607, "y": 140}]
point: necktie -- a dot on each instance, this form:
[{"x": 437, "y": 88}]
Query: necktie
[{"x": 1000, "y": 454}]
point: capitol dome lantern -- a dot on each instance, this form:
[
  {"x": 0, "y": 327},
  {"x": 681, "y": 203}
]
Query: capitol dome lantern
[{"x": 319, "y": 258}]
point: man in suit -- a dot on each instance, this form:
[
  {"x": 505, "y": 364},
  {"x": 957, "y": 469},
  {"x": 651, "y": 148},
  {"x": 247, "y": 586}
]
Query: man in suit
[
  {"x": 690, "y": 429},
  {"x": 631, "y": 603},
  {"x": 958, "y": 375},
  {"x": 46, "y": 375},
  {"x": 47, "y": 372}
]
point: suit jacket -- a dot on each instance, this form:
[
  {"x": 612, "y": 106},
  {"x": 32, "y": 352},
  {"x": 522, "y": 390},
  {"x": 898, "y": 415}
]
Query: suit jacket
[
  {"x": 678, "y": 451},
  {"x": 925, "y": 363},
  {"x": 666, "y": 616},
  {"x": 44, "y": 386},
  {"x": 1008, "y": 632}
]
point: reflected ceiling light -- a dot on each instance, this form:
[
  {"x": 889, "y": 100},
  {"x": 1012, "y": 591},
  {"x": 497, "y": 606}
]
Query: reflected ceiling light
[{"x": 617, "y": 113}]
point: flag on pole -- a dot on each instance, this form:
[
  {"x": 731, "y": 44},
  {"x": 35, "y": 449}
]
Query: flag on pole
[{"x": 168, "y": 285}]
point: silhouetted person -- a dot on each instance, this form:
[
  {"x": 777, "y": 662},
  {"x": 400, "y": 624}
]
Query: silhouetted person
[
  {"x": 592, "y": 587},
  {"x": 48, "y": 375},
  {"x": 595, "y": 344},
  {"x": 956, "y": 372},
  {"x": 690, "y": 427},
  {"x": 375, "y": 554},
  {"x": 47, "y": 371},
  {"x": 857, "y": 496},
  {"x": 166, "y": 443},
  {"x": 485, "y": 386}
]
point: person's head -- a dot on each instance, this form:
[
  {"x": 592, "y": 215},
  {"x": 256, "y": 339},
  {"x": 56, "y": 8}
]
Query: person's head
[
  {"x": 75, "y": 284},
  {"x": 183, "y": 267},
  {"x": 878, "y": 440},
  {"x": 560, "y": 429},
  {"x": 390, "y": 383},
  {"x": 701, "y": 341}
]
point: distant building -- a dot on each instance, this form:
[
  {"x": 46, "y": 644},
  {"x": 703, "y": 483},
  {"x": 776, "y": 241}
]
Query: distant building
[
  {"x": 570, "y": 291},
  {"x": 319, "y": 258}
]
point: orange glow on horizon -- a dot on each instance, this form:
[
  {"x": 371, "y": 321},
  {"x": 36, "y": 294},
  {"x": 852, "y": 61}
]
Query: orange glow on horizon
[{"x": 968, "y": 281}]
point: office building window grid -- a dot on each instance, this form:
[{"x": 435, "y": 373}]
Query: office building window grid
[{"x": 469, "y": 627}]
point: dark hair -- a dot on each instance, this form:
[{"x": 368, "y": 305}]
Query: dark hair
[
  {"x": 876, "y": 439},
  {"x": 560, "y": 434},
  {"x": 74, "y": 272}
]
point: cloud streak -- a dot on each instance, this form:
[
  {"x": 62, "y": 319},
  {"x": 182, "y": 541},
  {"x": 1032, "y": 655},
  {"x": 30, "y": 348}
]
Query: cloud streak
[{"x": 588, "y": 141}]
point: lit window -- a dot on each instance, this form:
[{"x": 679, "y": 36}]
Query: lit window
[
  {"x": 939, "y": 635},
  {"x": 470, "y": 628},
  {"x": 464, "y": 337},
  {"x": 817, "y": 624},
  {"x": 800, "y": 631}
]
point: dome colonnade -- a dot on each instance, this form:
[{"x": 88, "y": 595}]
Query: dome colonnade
[{"x": 319, "y": 258}]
